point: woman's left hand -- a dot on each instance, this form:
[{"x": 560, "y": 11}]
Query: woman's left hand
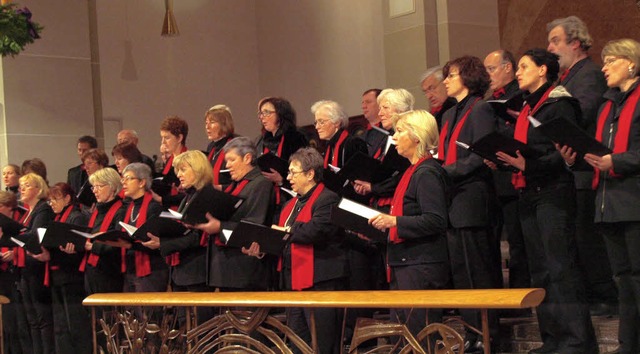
[
  {"x": 153, "y": 243},
  {"x": 273, "y": 176},
  {"x": 604, "y": 163},
  {"x": 212, "y": 226},
  {"x": 383, "y": 221},
  {"x": 517, "y": 162}
]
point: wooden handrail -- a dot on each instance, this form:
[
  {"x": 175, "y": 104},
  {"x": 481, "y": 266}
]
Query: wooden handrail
[{"x": 476, "y": 298}]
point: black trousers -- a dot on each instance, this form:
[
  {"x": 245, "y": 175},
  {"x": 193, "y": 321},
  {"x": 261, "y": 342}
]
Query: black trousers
[
  {"x": 472, "y": 258},
  {"x": 592, "y": 252},
  {"x": 16, "y": 332},
  {"x": 509, "y": 223},
  {"x": 623, "y": 246},
  {"x": 328, "y": 320},
  {"x": 72, "y": 321},
  {"x": 37, "y": 304},
  {"x": 547, "y": 216},
  {"x": 419, "y": 277}
]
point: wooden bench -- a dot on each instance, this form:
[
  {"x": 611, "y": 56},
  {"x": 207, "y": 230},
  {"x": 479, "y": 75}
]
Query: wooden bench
[{"x": 483, "y": 300}]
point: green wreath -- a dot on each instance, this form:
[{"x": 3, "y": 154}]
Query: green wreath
[{"x": 16, "y": 29}]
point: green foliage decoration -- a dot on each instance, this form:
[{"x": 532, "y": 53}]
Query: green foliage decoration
[{"x": 16, "y": 29}]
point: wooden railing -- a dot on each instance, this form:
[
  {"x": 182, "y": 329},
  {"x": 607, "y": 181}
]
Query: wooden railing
[{"x": 483, "y": 300}]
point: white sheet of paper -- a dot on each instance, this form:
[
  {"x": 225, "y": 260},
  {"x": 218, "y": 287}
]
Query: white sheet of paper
[{"x": 358, "y": 209}]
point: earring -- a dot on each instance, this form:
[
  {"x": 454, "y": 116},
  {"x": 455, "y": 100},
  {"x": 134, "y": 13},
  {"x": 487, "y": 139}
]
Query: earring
[{"x": 631, "y": 71}]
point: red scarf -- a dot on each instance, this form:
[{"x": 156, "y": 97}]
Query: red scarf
[
  {"x": 452, "y": 150},
  {"x": 59, "y": 218},
  {"x": 522, "y": 129},
  {"x": 499, "y": 93},
  {"x": 280, "y": 145},
  {"x": 436, "y": 110},
  {"x": 20, "y": 256},
  {"x": 335, "y": 161},
  {"x": 564, "y": 75},
  {"x": 397, "y": 205},
  {"x": 167, "y": 168},
  {"x": 90, "y": 257},
  {"x": 301, "y": 255},
  {"x": 621, "y": 140},
  {"x": 143, "y": 263},
  {"x": 217, "y": 164}
]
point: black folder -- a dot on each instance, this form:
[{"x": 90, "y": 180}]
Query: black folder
[
  {"x": 107, "y": 236},
  {"x": 160, "y": 227},
  {"x": 391, "y": 163},
  {"x": 271, "y": 241},
  {"x": 350, "y": 216},
  {"x": 59, "y": 234},
  {"x": 209, "y": 200},
  {"x": 10, "y": 227},
  {"x": 269, "y": 160},
  {"x": 30, "y": 243},
  {"x": 565, "y": 132},
  {"x": 500, "y": 107},
  {"x": 365, "y": 168},
  {"x": 490, "y": 144},
  {"x": 161, "y": 187},
  {"x": 334, "y": 181}
]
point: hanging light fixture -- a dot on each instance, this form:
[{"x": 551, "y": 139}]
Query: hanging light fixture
[{"x": 169, "y": 25}]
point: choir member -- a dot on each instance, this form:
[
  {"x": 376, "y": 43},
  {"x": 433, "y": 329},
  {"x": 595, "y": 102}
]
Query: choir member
[
  {"x": 218, "y": 123},
  {"x": 10, "y": 176}
]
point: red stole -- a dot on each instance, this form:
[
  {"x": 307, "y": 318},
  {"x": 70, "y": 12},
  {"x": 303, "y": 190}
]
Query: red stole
[
  {"x": 301, "y": 255},
  {"x": 167, "y": 168},
  {"x": 280, "y": 145},
  {"x": 621, "y": 140},
  {"x": 20, "y": 256},
  {"x": 522, "y": 128},
  {"x": 90, "y": 257},
  {"x": 59, "y": 218},
  {"x": 498, "y": 93},
  {"x": 451, "y": 154},
  {"x": 143, "y": 263},
  {"x": 217, "y": 164},
  {"x": 397, "y": 205},
  {"x": 436, "y": 110},
  {"x": 335, "y": 161}
]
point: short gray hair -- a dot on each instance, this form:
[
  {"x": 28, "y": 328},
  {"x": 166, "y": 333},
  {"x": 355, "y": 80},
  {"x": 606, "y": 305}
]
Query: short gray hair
[
  {"x": 435, "y": 71},
  {"x": 333, "y": 110},
  {"x": 575, "y": 29},
  {"x": 400, "y": 99},
  {"x": 141, "y": 171},
  {"x": 242, "y": 146}
]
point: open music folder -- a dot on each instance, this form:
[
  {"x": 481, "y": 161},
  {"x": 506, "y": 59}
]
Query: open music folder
[
  {"x": 59, "y": 234},
  {"x": 219, "y": 204},
  {"x": 157, "y": 226},
  {"x": 271, "y": 240},
  {"x": 355, "y": 217},
  {"x": 269, "y": 160},
  {"x": 487, "y": 147},
  {"x": 565, "y": 132}
]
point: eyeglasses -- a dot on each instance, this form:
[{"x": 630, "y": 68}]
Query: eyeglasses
[
  {"x": 610, "y": 61},
  {"x": 128, "y": 179},
  {"x": 321, "y": 122},
  {"x": 25, "y": 186},
  {"x": 96, "y": 187},
  {"x": 265, "y": 113},
  {"x": 452, "y": 75},
  {"x": 54, "y": 200},
  {"x": 294, "y": 173}
]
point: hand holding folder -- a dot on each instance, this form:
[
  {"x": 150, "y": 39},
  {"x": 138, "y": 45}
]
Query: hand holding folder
[
  {"x": 219, "y": 204},
  {"x": 59, "y": 234},
  {"x": 271, "y": 240},
  {"x": 355, "y": 217},
  {"x": 269, "y": 161},
  {"x": 487, "y": 147},
  {"x": 565, "y": 132},
  {"x": 157, "y": 226}
]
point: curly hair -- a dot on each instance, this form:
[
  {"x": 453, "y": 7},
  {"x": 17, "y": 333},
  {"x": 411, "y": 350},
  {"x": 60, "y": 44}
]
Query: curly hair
[
  {"x": 575, "y": 30},
  {"x": 472, "y": 72}
]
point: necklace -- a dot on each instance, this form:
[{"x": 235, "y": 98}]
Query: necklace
[{"x": 134, "y": 219}]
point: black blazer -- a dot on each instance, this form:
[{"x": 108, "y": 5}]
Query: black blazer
[
  {"x": 110, "y": 257},
  {"x": 41, "y": 216},
  {"x": 587, "y": 84},
  {"x": 63, "y": 266},
  {"x": 473, "y": 199},
  {"x": 618, "y": 198},
  {"x": 329, "y": 254},
  {"x": 228, "y": 266},
  {"x": 155, "y": 259},
  {"x": 423, "y": 224}
]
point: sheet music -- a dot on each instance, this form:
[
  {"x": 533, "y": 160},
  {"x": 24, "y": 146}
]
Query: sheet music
[
  {"x": 289, "y": 191},
  {"x": 333, "y": 168},
  {"x": 536, "y": 123},
  {"x": 41, "y": 231},
  {"x": 84, "y": 234},
  {"x": 226, "y": 234},
  {"x": 171, "y": 214},
  {"x": 389, "y": 143},
  {"x": 17, "y": 242},
  {"x": 462, "y": 145},
  {"x": 358, "y": 209},
  {"x": 130, "y": 229}
]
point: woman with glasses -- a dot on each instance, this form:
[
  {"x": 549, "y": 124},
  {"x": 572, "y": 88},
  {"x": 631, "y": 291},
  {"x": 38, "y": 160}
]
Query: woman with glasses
[
  {"x": 280, "y": 136},
  {"x": 103, "y": 264},
  {"x": 37, "y": 297},
  {"x": 147, "y": 270},
  {"x": 218, "y": 124},
  {"x": 476, "y": 264},
  {"x": 315, "y": 257},
  {"x": 616, "y": 180},
  {"x": 71, "y": 321},
  {"x": 229, "y": 269},
  {"x": 547, "y": 208}
]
